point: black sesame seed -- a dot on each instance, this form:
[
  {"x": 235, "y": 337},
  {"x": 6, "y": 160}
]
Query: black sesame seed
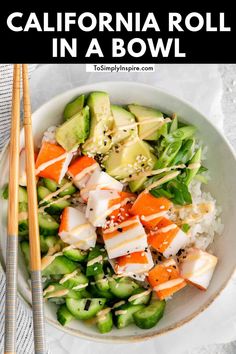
[
  {"x": 108, "y": 217},
  {"x": 91, "y": 209},
  {"x": 143, "y": 164},
  {"x": 154, "y": 252},
  {"x": 160, "y": 258},
  {"x": 120, "y": 229},
  {"x": 130, "y": 176},
  {"x": 174, "y": 266},
  {"x": 109, "y": 136},
  {"x": 179, "y": 252},
  {"x": 105, "y": 143},
  {"x": 124, "y": 130},
  {"x": 103, "y": 169},
  {"x": 157, "y": 280},
  {"x": 134, "y": 275}
]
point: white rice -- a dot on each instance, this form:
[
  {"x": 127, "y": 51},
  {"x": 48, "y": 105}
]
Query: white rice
[
  {"x": 203, "y": 231},
  {"x": 50, "y": 135}
]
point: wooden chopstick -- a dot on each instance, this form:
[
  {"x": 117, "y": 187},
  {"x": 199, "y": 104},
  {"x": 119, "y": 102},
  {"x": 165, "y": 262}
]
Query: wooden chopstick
[
  {"x": 35, "y": 257},
  {"x": 12, "y": 226}
]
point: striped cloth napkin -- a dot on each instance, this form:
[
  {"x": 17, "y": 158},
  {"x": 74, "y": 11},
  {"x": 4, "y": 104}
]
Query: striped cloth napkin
[{"x": 24, "y": 317}]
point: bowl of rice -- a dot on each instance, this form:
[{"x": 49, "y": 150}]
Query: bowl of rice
[{"x": 212, "y": 212}]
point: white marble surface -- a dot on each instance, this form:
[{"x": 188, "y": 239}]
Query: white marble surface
[{"x": 204, "y": 330}]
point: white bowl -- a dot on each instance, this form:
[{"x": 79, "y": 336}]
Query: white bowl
[{"x": 221, "y": 162}]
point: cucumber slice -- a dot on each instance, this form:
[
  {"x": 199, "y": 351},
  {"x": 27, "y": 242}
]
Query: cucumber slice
[
  {"x": 58, "y": 207},
  {"x": 123, "y": 287},
  {"x": 47, "y": 242},
  {"x": 23, "y": 196},
  {"x": 85, "y": 294},
  {"x": 85, "y": 309},
  {"x": 126, "y": 317},
  {"x": 64, "y": 316},
  {"x": 23, "y": 228},
  {"x": 65, "y": 293},
  {"x": 60, "y": 265},
  {"x": 78, "y": 281},
  {"x": 105, "y": 323},
  {"x": 142, "y": 299},
  {"x": 97, "y": 267},
  {"x": 42, "y": 192},
  {"x": 68, "y": 191},
  {"x": 76, "y": 255},
  {"x": 24, "y": 245},
  {"x": 148, "y": 317},
  {"x": 102, "y": 282},
  {"x": 99, "y": 293},
  {"x": 47, "y": 225},
  {"x": 50, "y": 184}
]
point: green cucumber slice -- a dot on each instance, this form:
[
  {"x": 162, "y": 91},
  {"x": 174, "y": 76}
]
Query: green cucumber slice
[
  {"x": 64, "y": 316},
  {"x": 60, "y": 265},
  {"x": 150, "y": 315},
  {"x": 123, "y": 287},
  {"x": 85, "y": 309},
  {"x": 76, "y": 255},
  {"x": 105, "y": 323},
  {"x": 124, "y": 315}
]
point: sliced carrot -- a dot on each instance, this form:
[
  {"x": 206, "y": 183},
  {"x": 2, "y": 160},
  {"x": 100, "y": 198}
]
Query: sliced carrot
[
  {"x": 136, "y": 257},
  {"x": 64, "y": 225},
  {"x": 146, "y": 205},
  {"x": 162, "y": 274},
  {"x": 49, "y": 152},
  {"x": 161, "y": 240},
  {"x": 80, "y": 164}
]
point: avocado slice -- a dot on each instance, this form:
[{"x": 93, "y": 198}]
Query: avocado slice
[
  {"x": 73, "y": 107},
  {"x": 149, "y": 130},
  {"x": 132, "y": 157},
  {"x": 123, "y": 118},
  {"x": 101, "y": 122},
  {"x": 74, "y": 131}
]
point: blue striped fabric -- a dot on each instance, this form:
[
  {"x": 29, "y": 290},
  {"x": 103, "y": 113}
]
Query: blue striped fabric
[{"x": 24, "y": 333}]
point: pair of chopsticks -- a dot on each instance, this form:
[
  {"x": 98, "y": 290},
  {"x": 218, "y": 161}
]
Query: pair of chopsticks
[{"x": 12, "y": 237}]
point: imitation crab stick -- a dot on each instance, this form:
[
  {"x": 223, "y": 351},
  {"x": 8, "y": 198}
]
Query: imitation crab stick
[
  {"x": 123, "y": 213},
  {"x": 106, "y": 207},
  {"x": 168, "y": 239},
  {"x": 165, "y": 279},
  {"x": 150, "y": 209},
  {"x": 76, "y": 230},
  {"x": 81, "y": 169},
  {"x": 127, "y": 237},
  {"x": 197, "y": 267},
  {"x": 100, "y": 180},
  {"x": 101, "y": 204},
  {"x": 52, "y": 161},
  {"x": 134, "y": 263}
]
